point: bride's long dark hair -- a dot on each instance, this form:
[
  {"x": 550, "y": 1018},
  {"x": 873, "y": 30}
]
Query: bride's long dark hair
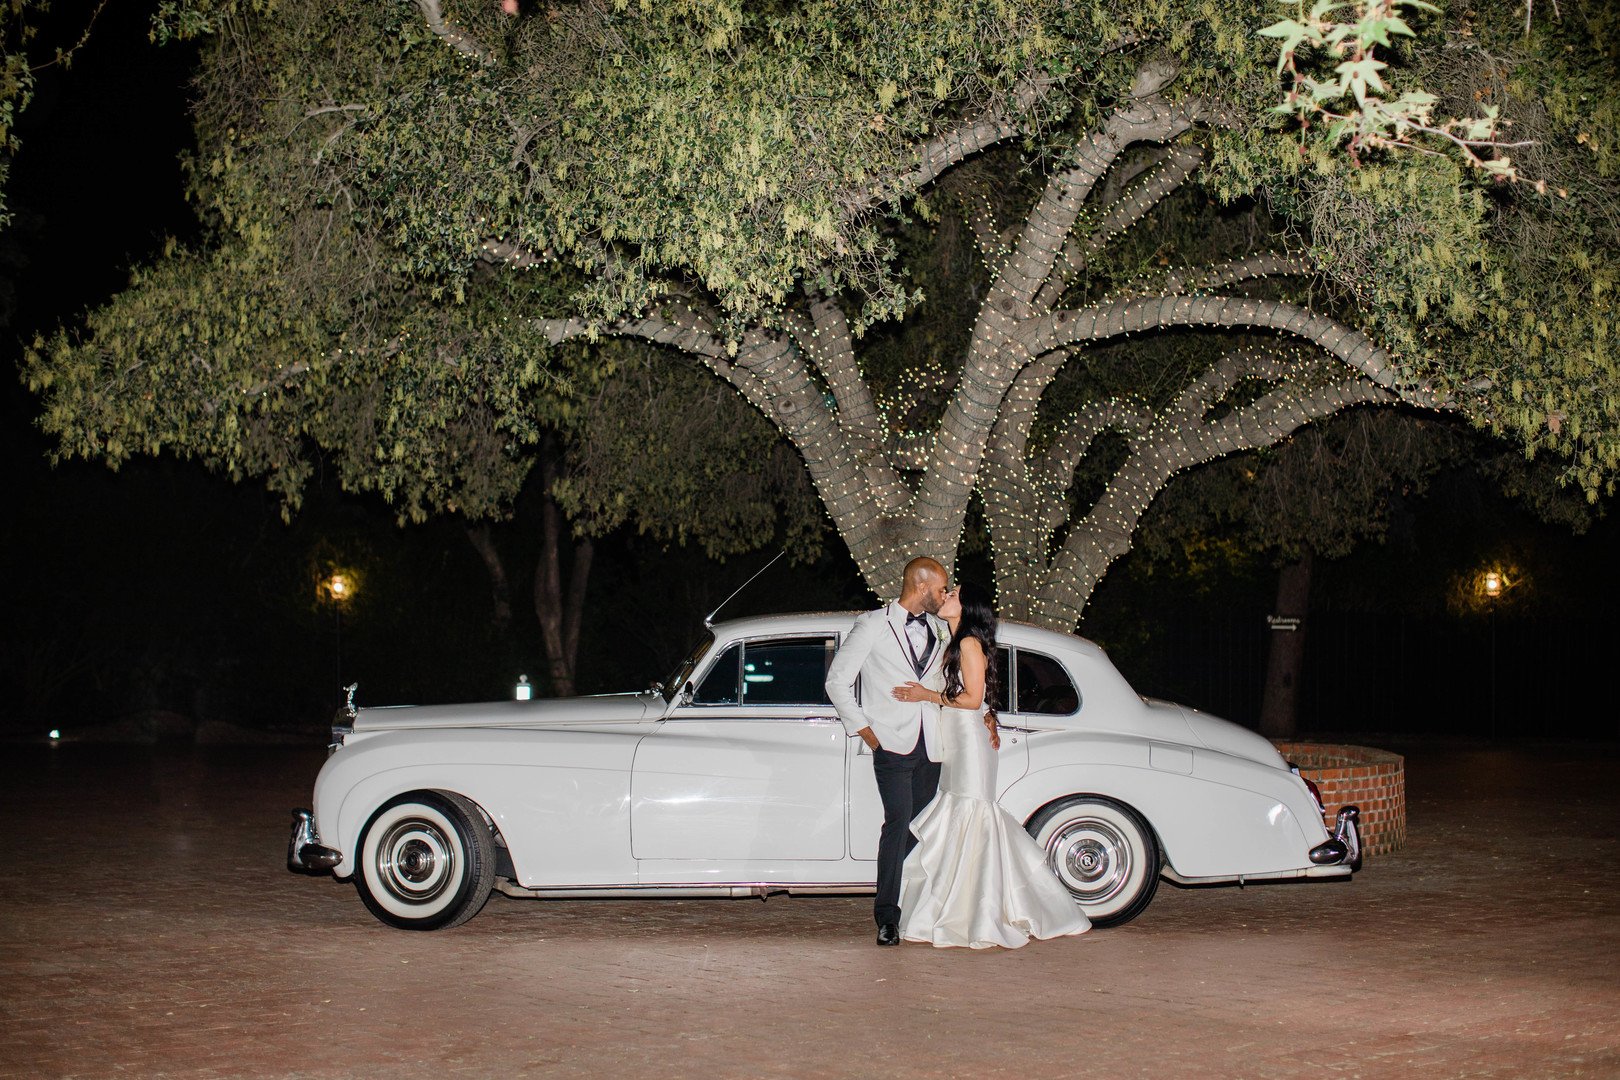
[{"x": 979, "y": 622}]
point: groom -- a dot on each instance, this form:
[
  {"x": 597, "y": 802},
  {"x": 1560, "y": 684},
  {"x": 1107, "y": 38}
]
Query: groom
[{"x": 896, "y": 644}]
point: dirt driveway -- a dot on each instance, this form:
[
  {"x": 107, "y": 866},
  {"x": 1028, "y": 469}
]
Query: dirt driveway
[{"x": 148, "y": 928}]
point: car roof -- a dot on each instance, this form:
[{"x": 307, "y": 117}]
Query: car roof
[
  {"x": 1011, "y": 632},
  {"x": 1108, "y": 692}
]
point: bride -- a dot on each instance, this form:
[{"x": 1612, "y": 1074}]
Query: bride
[{"x": 975, "y": 878}]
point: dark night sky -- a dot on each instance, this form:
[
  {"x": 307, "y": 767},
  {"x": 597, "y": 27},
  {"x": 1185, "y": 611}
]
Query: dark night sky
[{"x": 164, "y": 588}]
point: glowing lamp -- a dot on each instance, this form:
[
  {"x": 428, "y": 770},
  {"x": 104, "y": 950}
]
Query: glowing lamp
[{"x": 340, "y": 588}]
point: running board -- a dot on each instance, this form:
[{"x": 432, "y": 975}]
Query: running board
[
  {"x": 1274, "y": 875},
  {"x": 737, "y": 890}
]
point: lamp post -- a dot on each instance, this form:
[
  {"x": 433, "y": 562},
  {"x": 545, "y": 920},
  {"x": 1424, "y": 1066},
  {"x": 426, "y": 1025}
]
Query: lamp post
[
  {"x": 339, "y": 588},
  {"x": 1491, "y": 584}
]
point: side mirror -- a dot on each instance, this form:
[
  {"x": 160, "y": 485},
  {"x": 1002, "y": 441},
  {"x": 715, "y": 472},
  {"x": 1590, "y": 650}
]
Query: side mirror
[{"x": 686, "y": 694}]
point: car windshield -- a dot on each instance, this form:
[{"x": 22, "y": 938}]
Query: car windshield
[{"x": 677, "y": 679}]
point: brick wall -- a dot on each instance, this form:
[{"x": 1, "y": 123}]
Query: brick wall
[{"x": 1374, "y": 780}]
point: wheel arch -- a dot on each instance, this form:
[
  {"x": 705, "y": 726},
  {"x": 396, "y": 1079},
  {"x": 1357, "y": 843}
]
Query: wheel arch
[
  {"x": 362, "y": 802},
  {"x": 1073, "y": 796}
]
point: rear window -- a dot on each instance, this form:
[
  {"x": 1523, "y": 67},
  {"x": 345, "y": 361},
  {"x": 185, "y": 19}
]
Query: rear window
[{"x": 1043, "y": 686}]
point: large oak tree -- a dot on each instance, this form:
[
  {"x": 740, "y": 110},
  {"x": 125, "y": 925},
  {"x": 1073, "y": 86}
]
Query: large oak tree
[{"x": 433, "y": 226}]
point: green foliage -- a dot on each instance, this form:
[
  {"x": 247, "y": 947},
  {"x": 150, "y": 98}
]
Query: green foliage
[
  {"x": 391, "y": 205},
  {"x": 1352, "y": 108},
  {"x": 1503, "y": 299},
  {"x": 20, "y": 60},
  {"x": 676, "y": 454},
  {"x": 1321, "y": 492}
]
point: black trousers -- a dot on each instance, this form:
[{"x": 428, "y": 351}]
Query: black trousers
[{"x": 906, "y": 783}]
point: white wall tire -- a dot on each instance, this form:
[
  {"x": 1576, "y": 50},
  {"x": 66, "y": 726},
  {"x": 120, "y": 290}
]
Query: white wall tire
[
  {"x": 426, "y": 861},
  {"x": 1103, "y": 853}
]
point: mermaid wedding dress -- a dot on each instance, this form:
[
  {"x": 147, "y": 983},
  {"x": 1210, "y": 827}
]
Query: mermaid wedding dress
[{"x": 976, "y": 878}]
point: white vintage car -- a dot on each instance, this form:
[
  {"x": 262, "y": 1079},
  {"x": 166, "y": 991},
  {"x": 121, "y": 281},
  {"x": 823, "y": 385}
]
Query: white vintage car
[{"x": 736, "y": 779}]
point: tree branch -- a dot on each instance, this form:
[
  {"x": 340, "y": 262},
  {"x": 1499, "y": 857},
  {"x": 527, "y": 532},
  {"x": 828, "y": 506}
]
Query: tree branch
[
  {"x": 1045, "y": 236},
  {"x": 824, "y": 337},
  {"x": 955, "y": 145},
  {"x": 996, "y": 351},
  {"x": 452, "y": 35},
  {"x": 1127, "y": 316},
  {"x": 1167, "y": 447},
  {"x": 1178, "y": 164},
  {"x": 1220, "y": 275},
  {"x": 510, "y": 253}
]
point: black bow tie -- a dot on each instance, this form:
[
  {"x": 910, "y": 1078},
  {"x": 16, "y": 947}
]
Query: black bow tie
[{"x": 921, "y": 617}]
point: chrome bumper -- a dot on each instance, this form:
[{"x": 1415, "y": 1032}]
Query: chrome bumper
[
  {"x": 305, "y": 855},
  {"x": 1344, "y": 848}
]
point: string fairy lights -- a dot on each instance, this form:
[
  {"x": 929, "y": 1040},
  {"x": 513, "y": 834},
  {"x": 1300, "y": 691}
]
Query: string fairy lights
[{"x": 804, "y": 375}]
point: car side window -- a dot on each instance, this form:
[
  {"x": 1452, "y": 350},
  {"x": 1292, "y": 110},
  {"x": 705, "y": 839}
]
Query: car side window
[
  {"x": 1044, "y": 687},
  {"x": 720, "y": 685},
  {"x": 784, "y": 671},
  {"x": 791, "y": 671}
]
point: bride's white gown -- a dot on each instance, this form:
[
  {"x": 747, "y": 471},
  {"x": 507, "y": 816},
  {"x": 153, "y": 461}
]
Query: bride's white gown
[{"x": 976, "y": 878}]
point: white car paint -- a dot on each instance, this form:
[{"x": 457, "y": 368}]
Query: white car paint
[{"x": 654, "y": 794}]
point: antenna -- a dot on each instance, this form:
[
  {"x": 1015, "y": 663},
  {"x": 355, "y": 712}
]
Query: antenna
[{"x": 708, "y": 620}]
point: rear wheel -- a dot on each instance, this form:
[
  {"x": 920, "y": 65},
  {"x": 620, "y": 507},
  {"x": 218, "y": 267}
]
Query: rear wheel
[
  {"x": 426, "y": 862},
  {"x": 1104, "y": 853}
]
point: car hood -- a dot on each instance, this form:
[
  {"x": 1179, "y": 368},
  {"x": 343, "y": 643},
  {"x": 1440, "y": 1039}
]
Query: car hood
[{"x": 547, "y": 712}]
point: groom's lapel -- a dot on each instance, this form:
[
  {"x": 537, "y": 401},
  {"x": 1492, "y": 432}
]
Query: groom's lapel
[{"x": 896, "y": 616}]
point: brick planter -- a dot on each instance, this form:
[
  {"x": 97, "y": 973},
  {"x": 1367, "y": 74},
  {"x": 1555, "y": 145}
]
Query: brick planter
[{"x": 1374, "y": 780}]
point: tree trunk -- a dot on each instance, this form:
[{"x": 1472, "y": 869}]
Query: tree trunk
[
  {"x": 560, "y": 612},
  {"x": 1279, "y": 710},
  {"x": 484, "y": 544}
]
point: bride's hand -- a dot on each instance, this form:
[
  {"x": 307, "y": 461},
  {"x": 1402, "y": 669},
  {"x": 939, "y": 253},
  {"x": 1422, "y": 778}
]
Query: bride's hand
[
  {"x": 913, "y": 691},
  {"x": 994, "y": 728}
]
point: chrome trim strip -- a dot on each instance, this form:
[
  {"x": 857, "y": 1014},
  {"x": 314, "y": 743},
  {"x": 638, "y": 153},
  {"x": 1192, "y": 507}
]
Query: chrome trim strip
[{"x": 722, "y": 887}]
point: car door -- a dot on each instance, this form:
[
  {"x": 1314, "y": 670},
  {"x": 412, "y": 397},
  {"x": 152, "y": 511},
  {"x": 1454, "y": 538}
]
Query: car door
[
  {"x": 745, "y": 780},
  {"x": 866, "y": 809}
]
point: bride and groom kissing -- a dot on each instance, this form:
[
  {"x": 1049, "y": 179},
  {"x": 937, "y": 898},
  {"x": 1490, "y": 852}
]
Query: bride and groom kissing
[{"x": 953, "y": 868}]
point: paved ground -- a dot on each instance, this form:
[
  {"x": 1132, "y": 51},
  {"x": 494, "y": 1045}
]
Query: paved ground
[{"x": 148, "y": 928}]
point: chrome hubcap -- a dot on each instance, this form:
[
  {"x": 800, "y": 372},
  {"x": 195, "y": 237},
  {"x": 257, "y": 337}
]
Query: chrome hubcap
[
  {"x": 415, "y": 861},
  {"x": 1091, "y": 857}
]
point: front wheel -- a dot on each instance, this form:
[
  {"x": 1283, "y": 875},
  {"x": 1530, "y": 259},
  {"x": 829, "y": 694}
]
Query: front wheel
[
  {"x": 427, "y": 861},
  {"x": 1104, "y": 853}
]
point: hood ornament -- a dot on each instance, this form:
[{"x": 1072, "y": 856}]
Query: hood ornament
[{"x": 348, "y": 702}]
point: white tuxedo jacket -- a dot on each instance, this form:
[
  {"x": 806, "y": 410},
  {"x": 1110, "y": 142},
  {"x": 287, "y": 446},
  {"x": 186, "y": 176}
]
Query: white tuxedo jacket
[{"x": 877, "y": 652}]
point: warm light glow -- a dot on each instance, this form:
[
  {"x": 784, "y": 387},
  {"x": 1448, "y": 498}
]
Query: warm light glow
[
  {"x": 340, "y": 588},
  {"x": 1493, "y": 583}
]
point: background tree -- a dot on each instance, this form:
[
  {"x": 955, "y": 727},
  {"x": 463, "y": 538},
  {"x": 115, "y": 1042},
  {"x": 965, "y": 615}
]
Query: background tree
[
  {"x": 1315, "y": 496},
  {"x": 1319, "y": 495},
  {"x": 662, "y": 450},
  {"x": 417, "y": 210}
]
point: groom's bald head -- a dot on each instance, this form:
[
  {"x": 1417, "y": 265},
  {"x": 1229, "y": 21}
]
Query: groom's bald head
[{"x": 922, "y": 587}]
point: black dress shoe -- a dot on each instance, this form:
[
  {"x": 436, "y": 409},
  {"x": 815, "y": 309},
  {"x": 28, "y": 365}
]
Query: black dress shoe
[{"x": 888, "y": 934}]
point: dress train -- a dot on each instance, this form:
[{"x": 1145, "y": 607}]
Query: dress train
[{"x": 976, "y": 878}]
